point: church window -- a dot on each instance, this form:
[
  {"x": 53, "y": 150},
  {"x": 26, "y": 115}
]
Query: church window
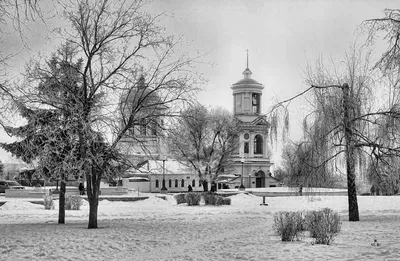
[
  {"x": 238, "y": 107},
  {"x": 256, "y": 102},
  {"x": 143, "y": 127},
  {"x": 193, "y": 183},
  {"x": 157, "y": 183},
  {"x": 169, "y": 183},
  {"x": 154, "y": 130},
  {"x": 182, "y": 183},
  {"x": 246, "y": 147},
  {"x": 258, "y": 144},
  {"x": 176, "y": 183}
]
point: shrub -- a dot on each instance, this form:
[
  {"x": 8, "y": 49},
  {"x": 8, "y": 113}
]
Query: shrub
[
  {"x": 48, "y": 202},
  {"x": 288, "y": 225},
  {"x": 223, "y": 201},
  {"x": 210, "y": 198},
  {"x": 311, "y": 220},
  {"x": 226, "y": 201},
  {"x": 193, "y": 198},
  {"x": 73, "y": 202},
  {"x": 218, "y": 200},
  {"x": 323, "y": 225},
  {"x": 180, "y": 198}
]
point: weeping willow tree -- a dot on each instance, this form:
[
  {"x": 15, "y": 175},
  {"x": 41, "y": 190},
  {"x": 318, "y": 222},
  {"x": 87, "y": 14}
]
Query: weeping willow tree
[
  {"x": 302, "y": 167},
  {"x": 357, "y": 129},
  {"x": 383, "y": 171},
  {"x": 338, "y": 125},
  {"x": 279, "y": 124}
]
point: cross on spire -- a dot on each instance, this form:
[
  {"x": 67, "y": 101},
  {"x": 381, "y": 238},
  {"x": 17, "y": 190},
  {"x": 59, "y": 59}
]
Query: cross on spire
[
  {"x": 247, "y": 73},
  {"x": 247, "y": 58}
]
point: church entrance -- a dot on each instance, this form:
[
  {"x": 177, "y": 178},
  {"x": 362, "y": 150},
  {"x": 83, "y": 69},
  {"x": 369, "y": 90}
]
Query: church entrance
[{"x": 260, "y": 179}]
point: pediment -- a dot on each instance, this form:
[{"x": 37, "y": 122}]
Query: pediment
[{"x": 260, "y": 121}]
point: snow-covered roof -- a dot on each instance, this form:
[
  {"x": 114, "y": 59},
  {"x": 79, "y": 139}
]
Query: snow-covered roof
[{"x": 156, "y": 167}]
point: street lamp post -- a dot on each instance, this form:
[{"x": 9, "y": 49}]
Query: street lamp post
[
  {"x": 163, "y": 188},
  {"x": 241, "y": 180},
  {"x": 56, "y": 191}
]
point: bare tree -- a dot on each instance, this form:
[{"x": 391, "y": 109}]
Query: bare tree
[
  {"x": 15, "y": 13},
  {"x": 114, "y": 45},
  {"x": 203, "y": 140}
]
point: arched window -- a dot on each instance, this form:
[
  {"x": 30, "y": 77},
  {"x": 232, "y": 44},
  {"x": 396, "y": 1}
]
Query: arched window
[
  {"x": 256, "y": 102},
  {"x": 154, "y": 130},
  {"x": 143, "y": 130},
  {"x": 176, "y": 183},
  {"x": 246, "y": 147},
  {"x": 182, "y": 183},
  {"x": 157, "y": 183},
  {"x": 169, "y": 183},
  {"x": 193, "y": 183},
  {"x": 258, "y": 144},
  {"x": 143, "y": 127}
]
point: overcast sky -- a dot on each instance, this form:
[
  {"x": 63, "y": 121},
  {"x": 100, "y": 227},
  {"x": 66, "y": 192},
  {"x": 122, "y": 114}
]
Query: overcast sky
[{"x": 281, "y": 36}]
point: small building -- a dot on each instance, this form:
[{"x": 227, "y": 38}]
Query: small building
[{"x": 149, "y": 177}]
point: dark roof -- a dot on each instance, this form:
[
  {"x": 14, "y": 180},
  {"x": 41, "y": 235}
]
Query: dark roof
[{"x": 247, "y": 81}]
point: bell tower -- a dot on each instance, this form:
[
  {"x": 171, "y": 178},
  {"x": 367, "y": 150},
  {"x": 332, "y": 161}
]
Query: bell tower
[
  {"x": 252, "y": 158},
  {"x": 247, "y": 94}
]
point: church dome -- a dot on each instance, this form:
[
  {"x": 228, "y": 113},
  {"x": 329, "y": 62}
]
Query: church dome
[
  {"x": 247, "y": 81},
  {"x": 143, "y": 100},
  {"x": 247, "y": 84}
]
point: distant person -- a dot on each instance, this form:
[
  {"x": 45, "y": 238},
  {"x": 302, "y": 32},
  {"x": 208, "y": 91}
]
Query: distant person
[
  {"x": 190, "y": 189},
  {"x": 81, "y": 188},
  {"x": 372, "y": 190},
  {"x": 301, "y": 190},
  {"x": 213, "y": 187}
]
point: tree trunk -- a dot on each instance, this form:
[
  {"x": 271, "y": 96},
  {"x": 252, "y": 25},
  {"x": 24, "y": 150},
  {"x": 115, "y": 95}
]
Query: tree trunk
[
  {"x": 350, "y": 157},
  {"x": 205, "y": 185},
  {"x": 93, "y": 207},
  {"x": 93, "y": 189},
  {"x": 61, "y": 203}
]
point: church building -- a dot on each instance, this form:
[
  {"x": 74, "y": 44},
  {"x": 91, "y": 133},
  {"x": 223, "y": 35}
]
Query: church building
[
  {"x": 144, "y": 146},
  {"x": 252, "y": 158}
]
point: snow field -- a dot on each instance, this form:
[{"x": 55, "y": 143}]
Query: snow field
[{"x": 157, "y": 229}]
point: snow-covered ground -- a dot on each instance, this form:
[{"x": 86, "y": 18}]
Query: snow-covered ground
[{"x": 156, "y": 229}]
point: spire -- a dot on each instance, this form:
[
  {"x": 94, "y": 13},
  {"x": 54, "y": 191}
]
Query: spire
[
  {"x": 247, "y": 73},
  {"x": 247, "y": 66}
]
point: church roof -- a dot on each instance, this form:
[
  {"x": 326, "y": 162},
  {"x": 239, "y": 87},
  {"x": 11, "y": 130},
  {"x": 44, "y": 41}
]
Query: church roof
[
  {"x": 260, "y": 121},
  {"x": 247, "y": 81},
  {"x": 247, "y": 78},
  {"x": 156, "y": 167}
]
